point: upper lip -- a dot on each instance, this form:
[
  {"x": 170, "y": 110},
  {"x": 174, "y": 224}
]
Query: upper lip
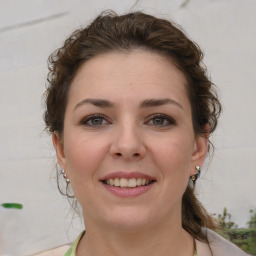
[{"x": 127, "y": 175}]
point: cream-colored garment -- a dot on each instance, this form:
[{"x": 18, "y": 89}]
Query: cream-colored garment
[
  {"x": 60, "y": 251},
  {"x": 219, "y": 247}
]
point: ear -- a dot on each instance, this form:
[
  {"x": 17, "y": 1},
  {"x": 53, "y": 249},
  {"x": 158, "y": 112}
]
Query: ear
[
  {"x": 200, "y": 148},
  {"x": 59, "y": 148}
]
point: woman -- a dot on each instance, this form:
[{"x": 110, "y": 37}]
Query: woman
[{"x": 130, "y": 110}]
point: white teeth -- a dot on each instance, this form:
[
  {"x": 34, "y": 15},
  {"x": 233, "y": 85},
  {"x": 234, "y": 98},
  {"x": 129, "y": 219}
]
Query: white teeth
[
  {"x": 130, "y": 183},
  {"x": 116, "y": 182},
  {"x": 138, "y": 182},
  {"x": 123, "y": 183}
]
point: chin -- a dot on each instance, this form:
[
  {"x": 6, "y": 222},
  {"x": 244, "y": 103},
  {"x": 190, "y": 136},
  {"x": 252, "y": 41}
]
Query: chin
[{"x": 128, "y": 218}]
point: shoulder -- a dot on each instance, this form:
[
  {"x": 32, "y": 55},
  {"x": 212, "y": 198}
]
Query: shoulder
[
  {"x": 60, "y": 251},
  {"x": 222, "y": 247}
]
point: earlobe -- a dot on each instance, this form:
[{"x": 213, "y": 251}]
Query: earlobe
[
  {"x": 59, "y": 148},
  {"x": 201, "y": 148}
]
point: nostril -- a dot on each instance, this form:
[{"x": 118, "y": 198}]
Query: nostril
[{"x": 135, "y": 154}]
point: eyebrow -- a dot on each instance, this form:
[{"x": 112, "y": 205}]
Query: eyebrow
[
  {"x": 96, "y": 102},
  {"x": 159, "y": 102},
  {"x": 146, "y": 103}
]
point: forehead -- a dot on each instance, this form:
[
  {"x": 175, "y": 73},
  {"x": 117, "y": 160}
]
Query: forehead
[{"x": 139, "y": 72}]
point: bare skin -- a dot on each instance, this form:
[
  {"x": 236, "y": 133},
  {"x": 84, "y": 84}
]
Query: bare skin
[
  {"x": 164, "y": 240},
  {"x": 130, "y": 113}
]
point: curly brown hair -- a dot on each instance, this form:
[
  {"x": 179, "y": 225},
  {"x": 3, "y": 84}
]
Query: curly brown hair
[{"x": 137, "y": 30}]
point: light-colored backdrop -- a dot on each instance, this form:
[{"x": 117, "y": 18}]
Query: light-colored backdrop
[{"x": 31, "y": 29}]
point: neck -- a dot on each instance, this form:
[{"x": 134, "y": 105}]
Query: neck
[{"x": 165, "y": 240}]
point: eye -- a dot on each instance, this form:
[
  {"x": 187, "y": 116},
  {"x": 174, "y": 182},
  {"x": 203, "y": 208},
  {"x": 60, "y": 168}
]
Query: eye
[
  {"x": 95, "y": 120},
  {"x": 161, "y": 120}
]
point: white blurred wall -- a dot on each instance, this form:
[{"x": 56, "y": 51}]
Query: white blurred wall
[{"x": 31, "y": 29}]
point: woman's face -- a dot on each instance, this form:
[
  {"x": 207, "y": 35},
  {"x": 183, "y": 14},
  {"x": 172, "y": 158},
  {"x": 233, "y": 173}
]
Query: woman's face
[{"x": 128, "y": 121}]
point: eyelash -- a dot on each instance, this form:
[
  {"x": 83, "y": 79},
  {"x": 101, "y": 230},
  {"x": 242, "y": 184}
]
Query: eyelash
[
  {"x": 168, "y": 121},
  {"x": 86, "y": 120}
]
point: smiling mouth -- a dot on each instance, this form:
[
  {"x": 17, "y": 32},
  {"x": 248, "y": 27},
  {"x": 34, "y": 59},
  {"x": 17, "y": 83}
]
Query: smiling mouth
[{"x": 128, "y": 183}]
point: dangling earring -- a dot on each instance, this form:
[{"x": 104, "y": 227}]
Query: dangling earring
[
  {"x": 67, "y": 186},
  {"x": 65, "y": 176},
  {"x": 195, "y": 176}
]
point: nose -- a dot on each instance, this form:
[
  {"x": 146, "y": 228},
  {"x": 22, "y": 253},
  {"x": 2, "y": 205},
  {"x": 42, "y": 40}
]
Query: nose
[{"x": 128, "y": 143}]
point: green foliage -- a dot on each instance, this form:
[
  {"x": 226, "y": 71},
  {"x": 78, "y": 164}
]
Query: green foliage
[
  {"x": 245, "y": 238},
  {"x": 224, "y": 220},
  {"x": 252, "y": 221}
]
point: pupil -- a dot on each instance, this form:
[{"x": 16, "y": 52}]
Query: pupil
[
  {"x": 97, "y": 121},
  {"x": 158, "y": 121}
]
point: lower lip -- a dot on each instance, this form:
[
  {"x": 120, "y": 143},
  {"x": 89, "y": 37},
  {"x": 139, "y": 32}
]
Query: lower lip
[{"x": 128, "y": 192}]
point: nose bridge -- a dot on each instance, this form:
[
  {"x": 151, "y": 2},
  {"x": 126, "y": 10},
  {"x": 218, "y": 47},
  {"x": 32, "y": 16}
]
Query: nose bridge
[{"x": 128, "y": 142}]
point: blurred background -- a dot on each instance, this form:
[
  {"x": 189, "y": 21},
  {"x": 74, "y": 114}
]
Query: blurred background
[{"x": 32, "y": 29}]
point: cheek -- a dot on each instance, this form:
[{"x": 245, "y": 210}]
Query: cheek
[
  {"x": 174, "y": 164},
  {"x": 173, "y": 156},
  {"x": 83, "y": 156},
  {"x": 83, "y": 159}
]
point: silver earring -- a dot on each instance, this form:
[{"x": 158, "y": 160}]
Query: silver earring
[
  {"x": 65, "y": 176},
  {"x": 195, "y": 176}
]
